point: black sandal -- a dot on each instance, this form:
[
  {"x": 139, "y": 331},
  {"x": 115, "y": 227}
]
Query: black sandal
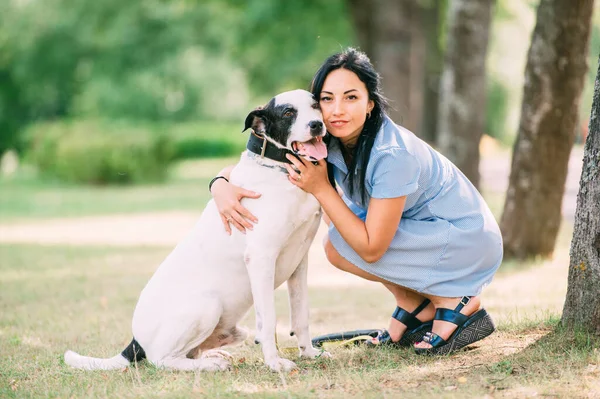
[
  {"x": 469, "y": 329},
  {"x": 415, "y": 328}
]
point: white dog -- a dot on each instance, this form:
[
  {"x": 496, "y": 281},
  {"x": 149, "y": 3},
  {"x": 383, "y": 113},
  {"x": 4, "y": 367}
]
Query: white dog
[{"x": 193, "y": 302}]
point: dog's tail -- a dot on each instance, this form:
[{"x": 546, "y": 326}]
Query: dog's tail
[{"x": 133, "y": 352}]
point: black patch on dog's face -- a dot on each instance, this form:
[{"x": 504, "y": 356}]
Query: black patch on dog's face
[{"x": 273, "y": 120}]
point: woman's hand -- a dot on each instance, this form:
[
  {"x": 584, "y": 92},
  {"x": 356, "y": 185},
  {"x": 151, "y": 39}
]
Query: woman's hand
[
  {"x": 312, "y": 178},
  {"x": 227, "y": 198}
]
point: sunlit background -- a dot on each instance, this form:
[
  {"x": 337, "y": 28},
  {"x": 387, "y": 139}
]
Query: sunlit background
[{"x": 114, "y": 116}]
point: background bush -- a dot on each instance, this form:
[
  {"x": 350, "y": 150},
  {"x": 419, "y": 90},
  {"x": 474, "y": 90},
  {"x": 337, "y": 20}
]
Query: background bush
[
  {"x": 207, "y": 139},
  {"x": 99, "y": 153}
]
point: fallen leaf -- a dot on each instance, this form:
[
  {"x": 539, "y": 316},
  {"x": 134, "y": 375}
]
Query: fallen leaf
[
  {"x": 462, "y": 380},
  {"x": 450, "y": 388}
]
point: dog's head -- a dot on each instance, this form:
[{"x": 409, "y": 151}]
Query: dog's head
[{"x": 292, "y": 120}]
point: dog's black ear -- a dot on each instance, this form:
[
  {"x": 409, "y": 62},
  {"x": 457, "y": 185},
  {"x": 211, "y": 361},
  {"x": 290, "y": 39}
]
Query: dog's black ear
[{"x": 256, "y": 120}]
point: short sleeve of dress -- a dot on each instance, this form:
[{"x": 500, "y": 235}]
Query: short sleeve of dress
[{"x": 395, "y": 173}]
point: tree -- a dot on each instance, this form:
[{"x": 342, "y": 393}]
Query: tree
[
  {"x": 554, "y": 78},
  {"x": 582, "y": 305},
  {"x": 433, "y": 23},
  {"x": 463, "y": 84},
  {"x": 392, "y": 35}
]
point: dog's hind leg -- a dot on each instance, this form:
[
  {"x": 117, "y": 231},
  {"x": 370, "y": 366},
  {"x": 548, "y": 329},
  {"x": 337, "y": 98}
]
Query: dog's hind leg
[
  {"x": 205, "y": 363},
  {"x": 172, "y": 344}
]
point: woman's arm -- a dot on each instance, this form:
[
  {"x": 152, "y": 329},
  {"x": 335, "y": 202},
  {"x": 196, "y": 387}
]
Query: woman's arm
[
  {"x": 370, "y": 239},
  {"x": 227, "y": 199}
]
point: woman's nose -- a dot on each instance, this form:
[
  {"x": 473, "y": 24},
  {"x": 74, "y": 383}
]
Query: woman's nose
[{"x": 338, "y": 108}]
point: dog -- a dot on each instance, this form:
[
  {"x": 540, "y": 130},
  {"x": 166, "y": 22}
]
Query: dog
[{"x": 190, "y": 307}]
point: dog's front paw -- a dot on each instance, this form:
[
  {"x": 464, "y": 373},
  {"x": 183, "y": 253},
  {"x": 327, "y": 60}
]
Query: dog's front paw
[
  {"x": 215, "y": 364},
  {"x": 280, "y": 364},
  {"x": 313, "y": 353}
]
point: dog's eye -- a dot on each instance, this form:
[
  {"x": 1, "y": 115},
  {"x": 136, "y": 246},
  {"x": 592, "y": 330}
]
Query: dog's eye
[
  {"x": 288, "y": 113},
  {"x": 316, "y": 106}
]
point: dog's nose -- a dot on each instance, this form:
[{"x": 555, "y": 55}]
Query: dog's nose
[{"x": 316, "y": 127}]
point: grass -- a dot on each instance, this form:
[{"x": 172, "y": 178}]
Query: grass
[
  {"x": 59, "y": 297},
  {"x": 28, "y": 197},
  {"x": 54, "y": 298}
]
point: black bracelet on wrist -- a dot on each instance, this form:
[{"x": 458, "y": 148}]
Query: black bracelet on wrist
[{"x": 214, "y": 180}]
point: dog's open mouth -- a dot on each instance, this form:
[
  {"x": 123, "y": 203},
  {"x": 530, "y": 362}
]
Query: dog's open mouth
[{"x": 314, "y": 149}]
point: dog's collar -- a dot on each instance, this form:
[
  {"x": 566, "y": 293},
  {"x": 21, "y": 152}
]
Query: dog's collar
[{"x": 258, "y": 144}]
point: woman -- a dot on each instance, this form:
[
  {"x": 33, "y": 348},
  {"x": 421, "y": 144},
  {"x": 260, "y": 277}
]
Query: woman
[{"x": 407, "y": 218}]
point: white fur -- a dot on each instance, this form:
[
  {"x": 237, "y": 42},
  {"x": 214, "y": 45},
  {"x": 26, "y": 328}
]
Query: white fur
[
  {"x": 302, "y": 100},
  {"x": 194, "y": 300}
]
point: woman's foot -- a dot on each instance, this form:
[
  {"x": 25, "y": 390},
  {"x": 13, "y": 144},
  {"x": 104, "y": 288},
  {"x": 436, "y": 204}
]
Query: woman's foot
[
  {"x": 397, "y": 329},
  {"x": 414, "y": 320},
  {"x": 445, "y": 329}
]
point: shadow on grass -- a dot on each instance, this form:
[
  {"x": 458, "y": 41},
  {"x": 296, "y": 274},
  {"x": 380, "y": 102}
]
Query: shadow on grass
[{"x": 550, "y": 364}]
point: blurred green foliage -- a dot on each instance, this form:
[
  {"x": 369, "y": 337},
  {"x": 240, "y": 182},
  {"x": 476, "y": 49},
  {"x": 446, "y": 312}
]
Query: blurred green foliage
[
  {"x": 207, "y": 139},
  {"x": 177, "y": 62},
  {"x": 497, "y": 110},
  {"x": 99, "y": 153},
  {"x": 157, "y": 60}
]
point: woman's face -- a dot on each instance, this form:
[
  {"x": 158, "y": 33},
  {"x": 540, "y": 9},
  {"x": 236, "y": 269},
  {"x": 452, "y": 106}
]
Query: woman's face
[{"x": 344, "y": 101}]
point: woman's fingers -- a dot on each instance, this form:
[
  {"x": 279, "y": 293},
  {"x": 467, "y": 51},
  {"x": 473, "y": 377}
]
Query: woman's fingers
[
  {"x": 247, "y": 193},
  {"x": 226, "y": 224},
  {"x": 247, "y": 215},
  {"x": 242, "y": 216},
  {"x": 295, "y": 176},
  {"x": 298, "y": 163},
  {"x": 240, "y": 223}
]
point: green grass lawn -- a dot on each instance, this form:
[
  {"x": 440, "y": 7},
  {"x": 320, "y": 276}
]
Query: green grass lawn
[
  {"x": 28, "y": 197},
  {"x": 57, "y": 298},
  {"x": 54, "y": 298}
]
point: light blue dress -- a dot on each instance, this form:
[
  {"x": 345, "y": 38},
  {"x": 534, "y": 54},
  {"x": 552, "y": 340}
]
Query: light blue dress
[{"x": 448, "y": 243}]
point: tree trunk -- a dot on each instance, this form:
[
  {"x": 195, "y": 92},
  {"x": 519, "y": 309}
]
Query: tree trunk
[
  {"x": 463, "y": 85},
  {"x": 391, "y": 34},
  {"x": 362, "y": 17},
  {"x": 433, "y": 13},
  {"x": 554, "y": 79},
  {"x": 582, "y": 305}
]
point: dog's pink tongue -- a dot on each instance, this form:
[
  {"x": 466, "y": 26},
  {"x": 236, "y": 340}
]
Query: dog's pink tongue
[{"x": 315, "y": 149}]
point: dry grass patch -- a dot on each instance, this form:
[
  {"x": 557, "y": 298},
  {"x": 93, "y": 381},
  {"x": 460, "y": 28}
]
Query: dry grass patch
[{"x": 56, "y": 298}]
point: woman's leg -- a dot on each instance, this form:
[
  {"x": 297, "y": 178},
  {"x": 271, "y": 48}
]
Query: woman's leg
[
  {"x": 407, "y": 299},
  {"x": 443, "y": 328}
]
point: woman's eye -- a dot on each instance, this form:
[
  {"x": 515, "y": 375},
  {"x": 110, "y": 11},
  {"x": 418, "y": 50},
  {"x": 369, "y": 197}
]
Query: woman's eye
[
  {"x": 325, "y": 99},
  {"x": 352, "y": 97}
]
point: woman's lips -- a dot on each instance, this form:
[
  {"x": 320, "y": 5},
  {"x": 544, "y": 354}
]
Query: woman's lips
[{"x": 338, "y": 123}]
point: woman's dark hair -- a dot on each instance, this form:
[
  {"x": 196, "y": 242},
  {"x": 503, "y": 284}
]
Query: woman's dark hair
[{"x": 356, "y": 61}]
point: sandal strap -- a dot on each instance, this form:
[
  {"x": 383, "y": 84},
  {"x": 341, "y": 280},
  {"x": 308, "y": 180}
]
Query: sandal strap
[
  {"x": 453, "y": 316},
  {"x": 463, "y": 302},
  {"x": 450, "y": 316},
  {"x": 434, "y": 340},
  {"x": 408, "y": 318}
]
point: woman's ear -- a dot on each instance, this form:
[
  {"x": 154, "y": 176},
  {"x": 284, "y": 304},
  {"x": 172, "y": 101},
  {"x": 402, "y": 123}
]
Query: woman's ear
[{"x": 370, "y": 106}]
